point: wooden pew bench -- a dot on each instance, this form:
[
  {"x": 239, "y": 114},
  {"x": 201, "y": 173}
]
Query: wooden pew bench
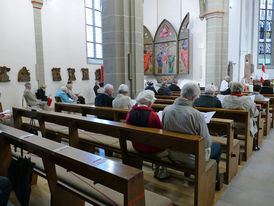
[
  {"x": 75, "y": 176},
  {"x": 223, "y": 126},
  {"x": 205, "y": 173},
  {"x": 271, "y": 106}
]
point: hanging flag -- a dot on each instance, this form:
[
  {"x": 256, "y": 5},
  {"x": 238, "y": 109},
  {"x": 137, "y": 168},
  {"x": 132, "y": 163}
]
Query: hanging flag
[{"x": 264, "y": 75}]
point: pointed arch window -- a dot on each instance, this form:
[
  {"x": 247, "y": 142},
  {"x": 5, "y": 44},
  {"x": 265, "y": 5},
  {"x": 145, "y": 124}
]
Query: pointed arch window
[
  {"x": 148, "y": 52},
  {"x": 165, "y": 48},
  {"x": 183, "y": 41}
]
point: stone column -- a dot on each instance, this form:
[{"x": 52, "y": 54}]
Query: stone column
[
  {"x": 123, "y": 43},
  {"x": 40, "y": 73},
  {"x": 217, "y": 40}
]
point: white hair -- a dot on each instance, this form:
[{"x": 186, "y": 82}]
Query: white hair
[
  {"x": 227, "y": 77},
  {"x": 210, "y": 89},
  {"x": 145, "y": 97},
  {"x": 123, "y": 88},
  {"x": 236, "y": 87},
  {"x": 190, "y": 90},
  {"x": 108, "y": 87},
  {"x": 64, "y": 89}
]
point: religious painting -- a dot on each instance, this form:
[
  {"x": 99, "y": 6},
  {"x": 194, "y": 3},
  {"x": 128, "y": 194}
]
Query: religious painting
[
  {"x": 56, "y": 75},
  {"x": 24, "y": 75},
  {"x": 184, "y": 46},
  {"x": 85, "y": 74},
  {"x": 148, "y": 52},
  {"x": 165, "y": 45},
  {"x": 4, "y": 77},
  {"x": 98, "y": 74},
  {"x": 71, "y": 74}
]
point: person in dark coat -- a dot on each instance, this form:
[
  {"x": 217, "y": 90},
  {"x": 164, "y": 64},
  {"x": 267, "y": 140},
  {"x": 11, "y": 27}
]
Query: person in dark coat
[
  {"x": 105, "y": 99},
  {"x": 150, "y": 86},
  {"x": 96, "y": 87},
  {"x": 174, "y": 86},
  {"x": 41, "y": 93},
  {"x": 164, "y": 90},
  {"x": 208, "y": 99},
  {"x": 266, "y": 89},
  {"x": 5, "y": 189}
]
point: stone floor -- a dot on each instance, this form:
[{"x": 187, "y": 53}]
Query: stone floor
[{"x": 254, "y": 184}]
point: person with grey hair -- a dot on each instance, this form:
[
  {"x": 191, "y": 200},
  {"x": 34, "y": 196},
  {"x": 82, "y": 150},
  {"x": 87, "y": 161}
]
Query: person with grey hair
[
  {"x": 237, "y": 101},
  {"x": 182, "y": 117},
  {"x": 224, "y": 84},
  {"x": 122, "y": 100},
  {"x": 174, "y": 86},
  {"x": 143, "y": 115},
  {"x": 63, "y": 94},
  {"x": 164, "y": 90},
  {"x": 208, "y": 99},
  {"x": 31, "y": 99},
  {"x": 105, "y": 99}
]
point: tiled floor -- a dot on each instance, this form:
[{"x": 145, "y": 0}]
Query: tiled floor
[{"x": 254, "y": 185}]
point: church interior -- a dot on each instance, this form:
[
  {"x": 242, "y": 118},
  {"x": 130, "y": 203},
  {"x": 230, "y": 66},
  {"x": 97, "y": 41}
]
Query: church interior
[{"x": 136, "y": 103}]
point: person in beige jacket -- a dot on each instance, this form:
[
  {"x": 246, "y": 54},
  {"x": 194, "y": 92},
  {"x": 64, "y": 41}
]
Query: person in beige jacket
[
  {"x": 31, "y": 98},
  {"x": 122, "y": 100}
]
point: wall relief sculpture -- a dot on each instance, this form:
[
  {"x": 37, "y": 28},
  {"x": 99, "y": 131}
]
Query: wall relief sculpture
[
  {"x": 24, "y": 75},
  {"x": 71, "y": 74},
  {"x": 56, "y": 74},
  {"x": 85, "y": 74},
  {"x": 98, "y": 74},
  {"x": 4, "y": 77}
]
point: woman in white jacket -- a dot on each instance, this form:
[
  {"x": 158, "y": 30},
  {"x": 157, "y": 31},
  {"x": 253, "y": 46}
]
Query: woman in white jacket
[{"x": 122, "y": 100}]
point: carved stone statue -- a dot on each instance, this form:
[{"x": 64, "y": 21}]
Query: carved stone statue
[
  {"x": 85, "y": 74},
  {"x": 24, "y": 75},
  {"x": 98, "y": 74},
  {"x": 56, "y": 75},
  {"x": 4, "y": 77},
  {"x": 71, "y": 73}
]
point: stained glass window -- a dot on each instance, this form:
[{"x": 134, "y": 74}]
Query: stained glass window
[
  {"x": 265, "y": 32},
  {"x": 94, "y": 31}
]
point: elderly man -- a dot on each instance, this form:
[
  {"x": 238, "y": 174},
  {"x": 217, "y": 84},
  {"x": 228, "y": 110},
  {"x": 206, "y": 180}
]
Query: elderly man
[
  {"x": 122, "y": 100},
  {"x": 105, "y": 99},
  {"x": 150, "y": 86},
  {"x": 174, "y": 86},
  {"x": 96, "y": 87},
  {"x": 164, "y": 90},
  {"x": 182, "y": 117},
  {"x": 237, "y": 101},
  {"x": 31, "y": 98},
  {"x": 208, "y": 99},
  {"x": 63, "y": 94},
  {"x": 224, "y": 84}
]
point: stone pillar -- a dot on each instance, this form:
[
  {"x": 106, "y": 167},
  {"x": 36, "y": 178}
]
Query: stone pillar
[
  {"x": 123, "y": 43},
  {"x": 217, "y": 40},
  {"x": 40, "y": 73}
]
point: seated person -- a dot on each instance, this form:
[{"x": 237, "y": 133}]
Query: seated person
[
  {"x": 182, "y": 117},
  {"x": 150, "y": 86},
  {"x": 122, "y": 100},
  {"x": 101, "y": 88},
  {"x": 5, "y": 189},
  {"x": 6, "y": 118},
  {"x": 228, "y": 91},
  {"x": 164, "y": 90},
  {"x": 74, "y": 96},
  {"x": 256, "y": 91},
  {"x": 266, "y": 89},
  {"x": 105, "y": 99},
  {"x": 174, "y": 86},
  {"x": 143, "y": 115},
  {"x": 31, "y": 98},
  {"x": 224, "y": 84},
  {"x": 237, "y": 101},
  {"x": 41, "y": 94},
  {"x": 63, "y": 94},
  {"x": 95, "y": 88},
  {"x": 208, "y": 99}
]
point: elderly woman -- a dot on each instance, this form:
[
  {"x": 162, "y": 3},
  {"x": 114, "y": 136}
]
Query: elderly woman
[
  {"x": 122, "y": 100},
  {"x": 63, "y": 94},
  {"x": 182, "y": 117},
  {"x": 142, "y": 115},
  {"x": 208, "y": 99},
  {"x": 237, "y": 101}
]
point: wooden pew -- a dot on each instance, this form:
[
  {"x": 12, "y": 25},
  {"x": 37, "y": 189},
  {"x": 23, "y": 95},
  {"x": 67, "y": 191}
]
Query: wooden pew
[
  {"x": 205, "y": 173},
  {"x": 165, "y": 97},
  {"x": 271, "y": 105},
  {"x": 217, "y": 125},
  {"x": 55, "y": 159}
]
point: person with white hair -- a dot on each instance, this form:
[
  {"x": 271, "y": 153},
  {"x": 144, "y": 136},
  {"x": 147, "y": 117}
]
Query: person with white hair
[
  {"x": 224, "y": 84},
  {"x": 237, "y": 101},
  {"x": 208, "y": 99},
  {"x": 143, "y": 115},
  {"x": 182, "y": 117},
  {"x": 174, "y": 86},
  {"x": 31, "y": 98},
  {"x": 164, "y": 90},
  {"x": 105, "y": 99},
  {"x": 63, "y": 94},
  {"x": 122, "y": 100}
]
